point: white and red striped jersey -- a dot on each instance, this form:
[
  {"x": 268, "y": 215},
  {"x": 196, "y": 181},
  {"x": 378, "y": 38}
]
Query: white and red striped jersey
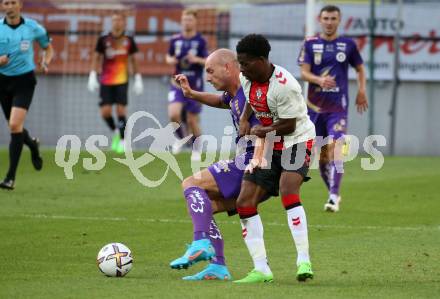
[{"x": 280, "y": 98}]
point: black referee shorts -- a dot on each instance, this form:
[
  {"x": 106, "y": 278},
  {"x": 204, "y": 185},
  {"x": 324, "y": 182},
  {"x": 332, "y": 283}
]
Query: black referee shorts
[
  {"x": 16, "y": 91},
  {"x": 113, "y": 94}
]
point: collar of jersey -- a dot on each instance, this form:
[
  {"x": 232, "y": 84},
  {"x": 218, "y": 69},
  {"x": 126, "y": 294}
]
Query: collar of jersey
[{"x": 14, "y": 26}]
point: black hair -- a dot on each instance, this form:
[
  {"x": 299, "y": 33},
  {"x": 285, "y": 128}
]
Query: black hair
[
  {"x": 255, "y": 45},
  {"x": 330, "y": 8}
]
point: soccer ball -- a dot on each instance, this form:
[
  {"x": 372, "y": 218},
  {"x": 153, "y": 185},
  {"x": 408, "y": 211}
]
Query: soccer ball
[{"x": 115, "y": 260}]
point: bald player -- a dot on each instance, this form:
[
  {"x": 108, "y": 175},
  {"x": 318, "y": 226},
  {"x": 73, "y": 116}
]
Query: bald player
[{"x": 215, "y": 189}]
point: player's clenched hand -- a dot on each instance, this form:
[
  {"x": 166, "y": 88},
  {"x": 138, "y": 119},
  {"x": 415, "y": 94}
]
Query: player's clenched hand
[
  {"x": 4, "y": 60},
  {"x": 327, "y": 82},
  {"x": 361, "y": 102},
  {"x": 44, "y": 67},
  {"x": 184, "y": 85}
]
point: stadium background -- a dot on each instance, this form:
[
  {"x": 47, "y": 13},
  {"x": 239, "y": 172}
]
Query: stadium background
[{"x": 62, "y": 104}]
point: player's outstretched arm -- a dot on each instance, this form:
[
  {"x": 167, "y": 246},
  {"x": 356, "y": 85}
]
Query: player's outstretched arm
[
  {"x": 206, "y": 98},
  {"x": 361, "y": 97}
]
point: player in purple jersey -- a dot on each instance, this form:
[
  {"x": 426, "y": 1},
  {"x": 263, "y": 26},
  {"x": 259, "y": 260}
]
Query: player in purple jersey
[
  {"x": 187, "y": 52},
  {"x": 324, "y": 62},
  {"x": 216, "y": 188}
]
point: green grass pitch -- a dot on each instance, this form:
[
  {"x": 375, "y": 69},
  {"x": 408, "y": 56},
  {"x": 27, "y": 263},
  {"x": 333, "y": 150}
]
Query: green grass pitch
[{"x": 385, "y": 242}]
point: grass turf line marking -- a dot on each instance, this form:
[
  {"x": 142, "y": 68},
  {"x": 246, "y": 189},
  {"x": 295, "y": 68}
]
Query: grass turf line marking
[{"x": 165, "y": 220}]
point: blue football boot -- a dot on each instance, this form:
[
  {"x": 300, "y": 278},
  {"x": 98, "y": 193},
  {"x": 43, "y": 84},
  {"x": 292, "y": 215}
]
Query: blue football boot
[
  {"x": 200, "y": 250},
  {"x": 211, "y": 272}
]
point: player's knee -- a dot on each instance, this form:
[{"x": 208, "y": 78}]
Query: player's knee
[
  {"x": 292, "y": 189},
  {"x": 189, "y": 182},
  {"x": 106, "y": 113},
  {"x": 245, "y": 201},
  {"x": 15, "y": 127},
  {"x": 175, "y": 118}
]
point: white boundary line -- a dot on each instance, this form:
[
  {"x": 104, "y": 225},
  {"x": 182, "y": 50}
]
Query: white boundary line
[{"x": 165, "y": 220}]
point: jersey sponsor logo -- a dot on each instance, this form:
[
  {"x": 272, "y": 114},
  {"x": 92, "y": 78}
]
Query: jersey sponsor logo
[
  {"x": 341, "y": 46},
  {"x": 317, "y": 58},
  {"x": 341, "y": 56},
  {"x": 318, "y": 47},
  {"x": 178, "y": 48},
  {"x": 261, "y": 114},
  {"x": 333, "y": 89},
  {"x": 25, "y": 45},
  {"x": 330, "y": 48},
  {"x": 111, "y": 53}
]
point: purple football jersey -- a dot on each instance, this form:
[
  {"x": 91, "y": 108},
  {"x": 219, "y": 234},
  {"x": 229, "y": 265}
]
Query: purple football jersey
[
  {"x": 180, "y": 47},
  {"x": 227, "y": 173},
  {"x": 329, "y": 58},
  {"x": 236, "y": 105}
]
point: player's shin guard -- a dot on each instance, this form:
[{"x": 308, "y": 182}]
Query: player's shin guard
[
  {"x": 122, "y": 122},
  {"x": 252, "y": 229},
  {"x": 199, "y": 207},
  {"x": 217, "y": 242},
  {"x": 296, "y": 218},
  {"x": 15, "y": 149},
  {"x": 336, "y": 172}
]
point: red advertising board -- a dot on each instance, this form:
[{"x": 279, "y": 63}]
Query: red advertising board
[{"x": 74, "y": 30}]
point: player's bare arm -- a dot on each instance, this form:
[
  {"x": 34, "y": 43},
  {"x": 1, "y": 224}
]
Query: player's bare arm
[
  {"x": 171, "y": 60},
  {"x": 195, "y": 59},
  {"x": 245, "y": 127},
  {"x": 96, "y": 61},
  {"x": 206, "y": 98},
  {"x": 281, "y": 127},
  {"x": 361, "y": 97},
  {"x": 4, "y": 60},
  {"x": 134, "y": 64},
  {"x": 307, "y": 75},
  {"x": 46, "y": 58}
]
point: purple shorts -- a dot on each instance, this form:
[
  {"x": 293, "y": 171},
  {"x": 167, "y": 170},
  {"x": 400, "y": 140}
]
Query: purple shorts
[
  {"x": 228, "y": 176},
  {"x": 175, "y": 95},
  {"x": 329, "y": 124}
]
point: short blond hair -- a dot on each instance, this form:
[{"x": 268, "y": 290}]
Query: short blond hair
[{"x": 190, "y": 11}]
